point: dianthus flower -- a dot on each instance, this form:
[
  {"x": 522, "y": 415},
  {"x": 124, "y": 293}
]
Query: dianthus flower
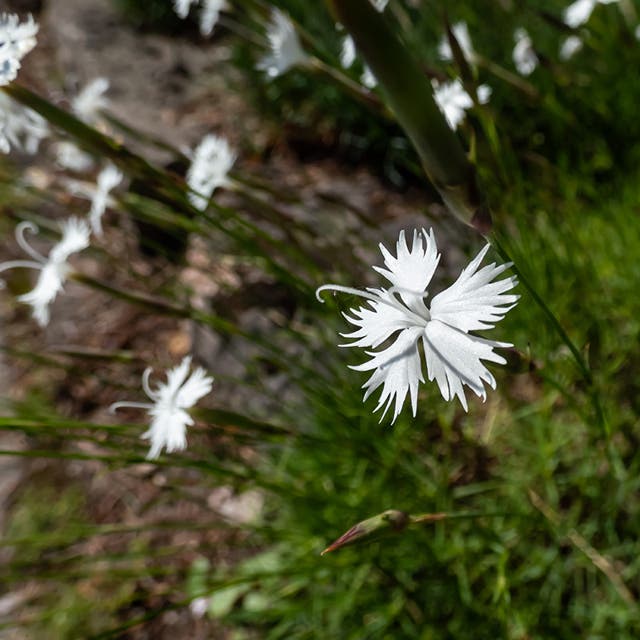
[
  {"x": 91, "y": 100},
  {"x": 54, "y": 269},
  {"x": 399, "y": 317},
  {"x": 168, "y": 407},
  {"x": 20, "y": 127},
  {"x": 524, "y": 55},
  {"x": 211, "y": 162},
  {"x": 454, "y": 101},
  {"x": 286, "y": 50},
  {"x": 16, "y": 40}
]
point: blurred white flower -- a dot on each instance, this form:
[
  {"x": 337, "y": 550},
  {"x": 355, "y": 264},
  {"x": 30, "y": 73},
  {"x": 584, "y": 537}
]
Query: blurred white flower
[
  {"x": 454, "y": 101},
  {"x": 181, "y": 7},
  {"x": 285, "y": 48},
  {"x": 211, "y": 161},
  {"x": 91, "y": 100},
  {"x": 453, "y": 356},
  {"x": 579, "y": 12},
  {"x": 524, "y": 55},
  {"x": 54, "y": 269},
  {"x": 348, "y": 52},
  {"x": 199, "y": 606},
  {"x": 368, "y": 79},
  {"x": 109, "y": 178},
  {"x": 168, "y": 407},
  {"x": 99, "y": 194},
  {"x": 636, "y": 33},
  {"x": 380, "y": 5},
  {"x": 71, "y": 157},
  {"x": 20, "y": 127},
  {"x": 209, "y": 13},
  {"x": 16, "y": 40},
  {"x": 461, "y": 34},
  {"x": 570, "y": 47}
]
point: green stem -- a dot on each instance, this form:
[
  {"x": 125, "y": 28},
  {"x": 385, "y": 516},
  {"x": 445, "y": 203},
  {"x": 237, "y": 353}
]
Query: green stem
[{"x": 410, "y": 96}]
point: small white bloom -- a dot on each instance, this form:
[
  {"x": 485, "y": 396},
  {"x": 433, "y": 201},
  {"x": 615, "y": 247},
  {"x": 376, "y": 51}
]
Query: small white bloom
[
  {"x": 209, "y": 15},
  {"x": 454, "y": 101},
  {"x": 54, "y": 269},
  {"x": 453, "y": 355},
  {"x": 286, "y": 50},
  {"x": 168, "y": 409},
  {"x": 20, "y": 127},
  {"x": 368, "y": 79},
  {"x": 461, "y": 34},
  {"x": 199, "y": 606},
  {"x": 181, "y": 7},
  {"x": 570, "y": 47},
  {"x": 348, "y": 52},
  {"x": 380, "y": 5},
  {"x": 69, "y": 156},
  {"x": 210, "y": 163},
  {"x": 109, "y": 178},
  {"x": 91, "y": 100},
  {"x": 524, "y": 55},
  {"x": 99, "y": 194},
  {"x": 16, "y": 40},
  {"x": 579, "y": 12}
]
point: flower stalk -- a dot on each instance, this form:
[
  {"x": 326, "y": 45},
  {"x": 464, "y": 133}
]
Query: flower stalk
[{"x": 410, "y": 97}]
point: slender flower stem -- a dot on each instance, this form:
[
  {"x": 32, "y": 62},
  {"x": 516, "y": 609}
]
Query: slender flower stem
[{"x": 356, "y": 90}]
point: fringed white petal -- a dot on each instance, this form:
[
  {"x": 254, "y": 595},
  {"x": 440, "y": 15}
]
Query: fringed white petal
[
  {"x": 168, "y": 430},
  {"x": 75, "y": 237},
  {"x": 411, "y": 270},
  {"x": 197, "y": 386},
  {"x": 454, "y": 359},
  {"x": 378, "y": 323},
  {"x": 398, "y": 369},
  {"x": 50, "y": 281},
  {"x": 474, "y": 301}
]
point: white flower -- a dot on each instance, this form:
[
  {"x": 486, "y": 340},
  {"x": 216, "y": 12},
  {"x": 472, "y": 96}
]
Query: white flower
[
  {"x": 454, "y": 101},
  {"x": 286, "y": 50},
  {"x": 461, "y": 34},
  {"x": 579, "y": 12},
  {"x": 211, "y": 162},
  {"x": 453, "y": 356},
  {"x": 54, "y": 269},
  {"x": 20, "y": 127},
  {"x": 168, "y": 409},
  {"x": 16, "y": 40},
  {"x": 368, "y": 79},
  {"x": 570, "y": 47},
  {"x": 380, "y": 5},
  {"x": 209, "y": 15},
  {"x": 181, "y": 7},
  {"x": 69, "y": 156},
  {"x": 524, "y": 55},
  {"x": 91, "y": 100},
  {"x": 109, "y": 178},
  {"x": 348, "y": 52}
]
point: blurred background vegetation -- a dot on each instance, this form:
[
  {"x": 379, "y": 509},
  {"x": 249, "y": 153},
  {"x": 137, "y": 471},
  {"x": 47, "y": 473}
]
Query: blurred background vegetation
[{"x": 546, "y": 545}]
